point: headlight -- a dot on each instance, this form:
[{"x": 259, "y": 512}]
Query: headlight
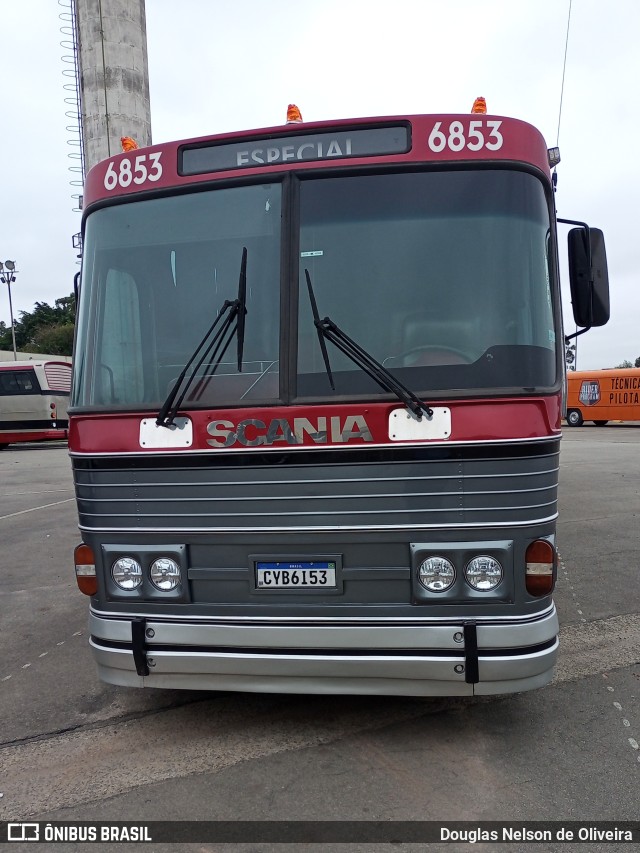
[
  {"x": 127, "y": 573},
  {"x": 436, "y": 574},
  {"x": 483, "y": 573},
  {"x": 165, "y": 574}
]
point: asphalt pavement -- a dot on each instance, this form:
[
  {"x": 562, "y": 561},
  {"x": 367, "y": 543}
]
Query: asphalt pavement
[{"x": 75, "y": 749}]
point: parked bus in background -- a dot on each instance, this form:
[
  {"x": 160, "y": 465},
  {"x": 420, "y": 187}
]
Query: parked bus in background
[
  {"x": 603, "y": 395},
  {"x": 316, "y": 410},
  {"x": 34, "y": 397}
]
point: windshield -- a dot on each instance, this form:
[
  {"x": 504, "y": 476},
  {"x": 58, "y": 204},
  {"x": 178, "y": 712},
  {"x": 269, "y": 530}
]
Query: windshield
[
  {"x": 441, "y": 277},
  {"x": 155, "y": 276}
]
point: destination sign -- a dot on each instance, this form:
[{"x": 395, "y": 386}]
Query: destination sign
[{"x": 298, "y": 148}]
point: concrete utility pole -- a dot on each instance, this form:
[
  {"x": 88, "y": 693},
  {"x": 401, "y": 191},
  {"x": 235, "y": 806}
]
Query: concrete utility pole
[{"x": 114, "y": 75}]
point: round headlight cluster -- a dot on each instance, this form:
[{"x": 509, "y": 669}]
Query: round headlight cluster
[
  {"x": 127, "y": 573},
  {"x": 436, "y": 574},
  {"x": 164, "y": 573},
  {"x": 483, "y": 573}
]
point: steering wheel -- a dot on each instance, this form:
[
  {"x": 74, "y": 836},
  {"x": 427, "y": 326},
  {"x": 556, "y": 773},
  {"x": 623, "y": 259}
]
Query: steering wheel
[{"x": 434, "y": 354}]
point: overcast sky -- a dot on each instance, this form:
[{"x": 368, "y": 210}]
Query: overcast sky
[{"x": 218, "y": 65}]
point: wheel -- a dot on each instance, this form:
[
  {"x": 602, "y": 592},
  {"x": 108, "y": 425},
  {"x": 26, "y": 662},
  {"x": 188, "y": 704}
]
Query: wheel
[
  {"x": 601, "y": 423},
  {"x": 430, "y": 354},
  {"x": 574, "y": 417}
]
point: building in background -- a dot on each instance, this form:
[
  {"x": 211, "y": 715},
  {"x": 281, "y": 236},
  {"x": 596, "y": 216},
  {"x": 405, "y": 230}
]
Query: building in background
[{"x": 7, "y": 355}]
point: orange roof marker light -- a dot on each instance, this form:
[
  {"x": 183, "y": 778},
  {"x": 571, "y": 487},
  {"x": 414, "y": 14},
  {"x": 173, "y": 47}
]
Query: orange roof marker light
[
  {"x": 294, "y": 116},
  {"x": 479, "y": 106},
  {"x": 128, "y": 144}
]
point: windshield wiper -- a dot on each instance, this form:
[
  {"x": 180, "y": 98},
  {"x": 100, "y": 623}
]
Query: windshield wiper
[
  {"x": 212, "y": 346},
  {"x": 330, "y": 331},
  {"x": 241, "y": 311}
]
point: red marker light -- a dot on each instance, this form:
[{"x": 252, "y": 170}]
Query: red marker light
[
  {"x": 540, "y": 559},
  {"x": 85, "y": 569}
]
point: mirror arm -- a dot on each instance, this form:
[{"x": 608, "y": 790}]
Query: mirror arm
[
  {"x": 568, "y": 338},
  {"x": 587, "y": 235}
]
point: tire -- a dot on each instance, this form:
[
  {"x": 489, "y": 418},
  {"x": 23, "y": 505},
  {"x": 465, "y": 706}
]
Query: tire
[
  {"x": 601, "y": 423},
  {"x": 574, "y": 418}
]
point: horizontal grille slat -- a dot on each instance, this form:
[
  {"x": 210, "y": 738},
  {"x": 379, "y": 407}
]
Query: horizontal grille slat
[{"x": 515, "y": 489}]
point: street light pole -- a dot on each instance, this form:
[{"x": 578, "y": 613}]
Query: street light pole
[{"x": 7, "y": 275}]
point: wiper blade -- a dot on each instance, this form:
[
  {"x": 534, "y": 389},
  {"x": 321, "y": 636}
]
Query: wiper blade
[
  {"x": 242, "y": 306},
  {"x": 330, "y": 331},
  {"x": 212, "y": 346},
  {"x": 172, "y": 404},
  {"x": 318, "y": 323}
]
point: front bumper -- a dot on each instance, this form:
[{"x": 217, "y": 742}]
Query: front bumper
[{"x": 411, "y": 657}]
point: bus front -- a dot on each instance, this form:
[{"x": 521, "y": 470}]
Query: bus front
[{"x": 316, "y": 410}]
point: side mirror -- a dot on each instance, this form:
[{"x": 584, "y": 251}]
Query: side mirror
[{"x": 588, "y": 277}]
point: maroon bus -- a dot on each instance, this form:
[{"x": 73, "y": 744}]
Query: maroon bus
[{"x": 316, "y": 409}]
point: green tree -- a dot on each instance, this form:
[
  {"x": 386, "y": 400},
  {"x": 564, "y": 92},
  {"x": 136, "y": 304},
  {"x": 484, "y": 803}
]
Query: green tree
[
  {"x": 625, "y": 363},
  {"x": 47, "y": 329},
  {"x": 55, "y": 340},
  {"x": 637, "y": 362},
  {"x": 5, "y": 336}
]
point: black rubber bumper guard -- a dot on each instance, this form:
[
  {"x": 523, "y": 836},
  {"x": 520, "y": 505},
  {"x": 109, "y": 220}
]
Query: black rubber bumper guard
[
  {"x": 138, "y": 630},
  {"x": 471, "y": 669}
]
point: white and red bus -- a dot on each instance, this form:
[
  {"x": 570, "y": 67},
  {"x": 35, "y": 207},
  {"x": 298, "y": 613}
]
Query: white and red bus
[
  {"x": 316, "y": 413},
  {"x": 34, "y": 396}
]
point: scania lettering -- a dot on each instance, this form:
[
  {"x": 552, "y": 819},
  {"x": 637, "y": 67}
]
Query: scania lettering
[
  {"x": 253, "y": 432},
  {"x": 317, "y": 402}
]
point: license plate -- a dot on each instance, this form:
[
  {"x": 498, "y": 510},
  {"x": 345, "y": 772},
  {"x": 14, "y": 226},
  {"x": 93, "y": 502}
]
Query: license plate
[{"x": 317, "y": 574}]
